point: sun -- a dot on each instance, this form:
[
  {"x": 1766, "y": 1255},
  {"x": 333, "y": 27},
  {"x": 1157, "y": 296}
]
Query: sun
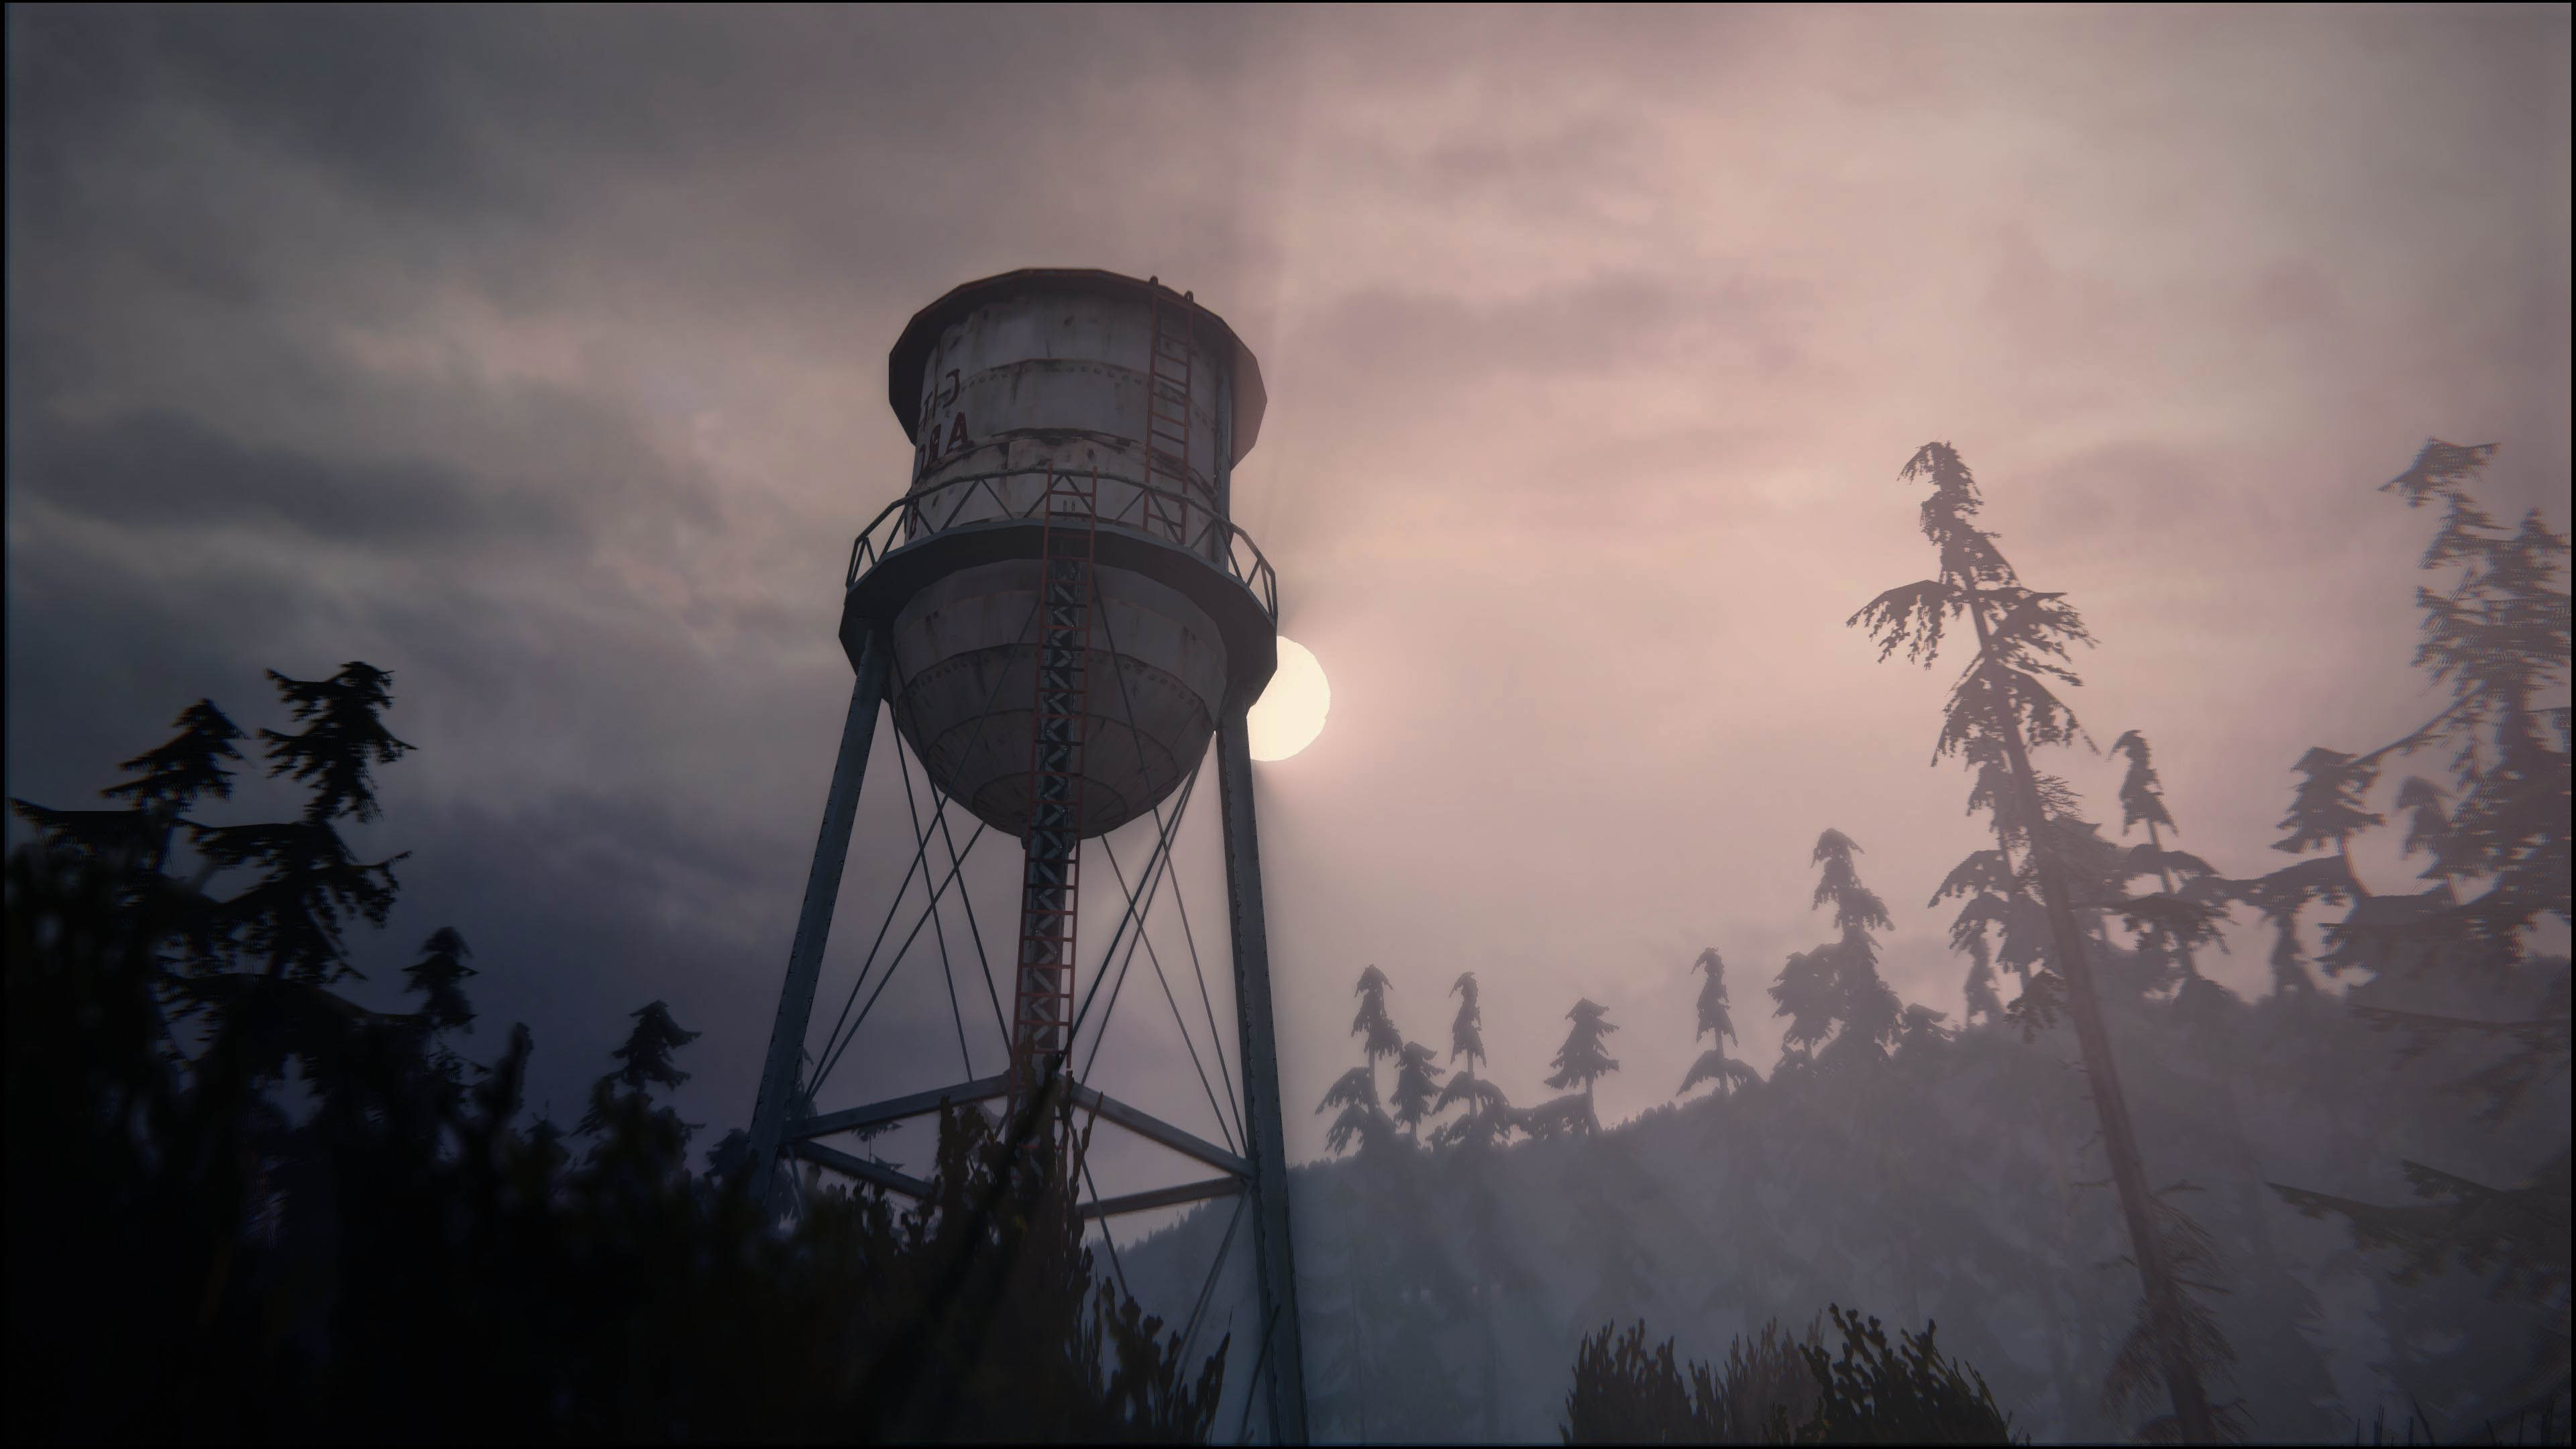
[{"x": 1291, "y": 710}]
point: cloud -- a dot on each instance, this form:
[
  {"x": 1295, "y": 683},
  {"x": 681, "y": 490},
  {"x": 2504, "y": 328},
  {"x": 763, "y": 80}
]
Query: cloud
[
  {"x": 539, "y": 356},
  {"x": 164, "y": 473}
]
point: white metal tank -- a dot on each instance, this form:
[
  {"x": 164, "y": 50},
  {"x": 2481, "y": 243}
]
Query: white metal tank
[{"x": 1150, "y": 399}]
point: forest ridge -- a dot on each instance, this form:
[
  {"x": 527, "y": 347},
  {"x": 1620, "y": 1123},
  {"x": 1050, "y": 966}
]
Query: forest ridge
[
  {"x": 2106, "y": 1192},
  {"x": 1957, "y": 1170}
]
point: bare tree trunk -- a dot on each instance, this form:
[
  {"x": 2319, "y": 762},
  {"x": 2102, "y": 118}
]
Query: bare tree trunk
[{"x": 2119, "y": 1138}]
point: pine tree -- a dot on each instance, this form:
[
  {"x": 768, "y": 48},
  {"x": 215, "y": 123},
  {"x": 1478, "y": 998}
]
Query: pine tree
[
  {"x": 1583, "y": 1059},
  {"x": 648, "y": 1051},
  {"x": 1473, "y": 1136},
  {"x": 2499, "y": 637},
  {"x": 622, "y": 1097},
  {"x": 1360, "y": 1119},
  {"x": 1417, "y": 1086},
  {"x": 344, "y": 736},
  {"x": 1920, "y": 1031},
  {"x": 1401, "y": 1277},
  {"x": 2001, "y": 706},
  {"x": 2000, "y": 908},
  {"x": 1834, "y": 991},
  {"x": 1714, "y": 1065},
  {"x": 439, "y": 976},
  {"x": 1489, "y": 1113},
  {"x": 1467, "y": 1029},
  {"x": 2325, "y": 809},
  {"x": 168, "y": 780},
  {"x": 1379, "y": 1040},
  {"x": 289, "y": 921},
  {"x": 2170, "y": 923}
]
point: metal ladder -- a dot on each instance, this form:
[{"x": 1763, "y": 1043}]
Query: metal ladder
[
  {"x": 1167, "y": 411},
  {"x": 1042, "y": 1019}
]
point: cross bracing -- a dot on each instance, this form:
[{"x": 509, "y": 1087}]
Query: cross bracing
[{"x": 933, "y": 913}]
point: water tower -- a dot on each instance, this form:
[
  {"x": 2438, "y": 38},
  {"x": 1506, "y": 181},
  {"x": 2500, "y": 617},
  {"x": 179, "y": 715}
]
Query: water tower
[{"x": 1061, "y": 617}]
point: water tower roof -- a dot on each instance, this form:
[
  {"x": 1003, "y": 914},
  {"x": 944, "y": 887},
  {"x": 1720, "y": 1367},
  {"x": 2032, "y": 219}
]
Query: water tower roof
[{"x": 903, "y": 365}]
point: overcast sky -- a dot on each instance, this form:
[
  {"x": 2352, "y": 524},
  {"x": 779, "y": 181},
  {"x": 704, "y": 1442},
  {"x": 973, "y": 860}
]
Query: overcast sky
[{"x": 539, "y": 357}]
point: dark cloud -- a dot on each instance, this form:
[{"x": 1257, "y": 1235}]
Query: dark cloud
[{"x": 161, "y": 473}]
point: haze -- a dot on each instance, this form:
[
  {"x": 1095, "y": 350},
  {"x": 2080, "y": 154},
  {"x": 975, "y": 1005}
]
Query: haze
[{"x": 538, "y": 356}]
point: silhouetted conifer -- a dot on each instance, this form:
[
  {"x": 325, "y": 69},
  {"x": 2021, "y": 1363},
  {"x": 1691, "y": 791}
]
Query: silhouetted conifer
[
  {"x": 1489, "y": 1114},
  {"x": 1583, "y": 1059},
  {"x": 1920, "y": 1031},
  {"x": 645, "y": 1063},
  {"x": 407, "y": 1260},
  {"x": 2326, "y": 808},
  {"x": 2167, "y": 923},
  {"x": 1358, "y": 1117},
  {"x": 1834, "y": 992},
  {"x": 343, "y": 738},
  {"x": 2499, "y": 637},
  {"x": 1379, "y": 1040},
  {"x": 1417, "y": 1087},
  {"x": 2000, "y": 708},
  {"x": 1714, "y": 1065},
  {"x": 439, "y": 979},
  {"x": 1467, "y": 1029}
]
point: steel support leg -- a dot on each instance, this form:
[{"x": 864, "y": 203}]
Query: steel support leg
[
  {"x": 779, "y": 1074},
  {"x": 1274, "y": 1253}
]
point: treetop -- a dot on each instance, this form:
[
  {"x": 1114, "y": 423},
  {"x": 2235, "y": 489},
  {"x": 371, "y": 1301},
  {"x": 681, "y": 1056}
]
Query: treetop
[
  {"x": 171, "y": 776},
  {"x": 2142, "y": 795},
  {"x": 648, "y": 1049},
  {"x": 1372, "y": 1025},
  {"x": 343, "y": 737}
]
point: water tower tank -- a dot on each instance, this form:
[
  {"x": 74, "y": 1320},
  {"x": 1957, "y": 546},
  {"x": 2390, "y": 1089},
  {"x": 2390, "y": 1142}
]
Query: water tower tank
[{"x": 1147, "y": 401}]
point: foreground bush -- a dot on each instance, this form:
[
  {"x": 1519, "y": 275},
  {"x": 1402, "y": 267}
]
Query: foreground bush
[{"x": 1781, "y": 1391}]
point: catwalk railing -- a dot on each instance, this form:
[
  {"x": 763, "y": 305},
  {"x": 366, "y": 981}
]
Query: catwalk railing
[{"x": 1019, "y": 495}]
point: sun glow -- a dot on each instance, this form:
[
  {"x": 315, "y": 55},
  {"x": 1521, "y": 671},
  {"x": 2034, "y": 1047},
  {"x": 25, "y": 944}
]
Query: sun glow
[{"x": 1290, "y": 713}]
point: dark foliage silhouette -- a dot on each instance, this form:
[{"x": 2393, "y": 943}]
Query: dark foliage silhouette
[
  {"x": 2000, "y": 707},
  {"x": 1775, "y": 1391},
  {"x": 242, "y": 1205},
  {"x": 2498, "y": 638}
]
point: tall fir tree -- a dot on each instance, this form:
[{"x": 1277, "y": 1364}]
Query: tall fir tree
[
  {"x": 1417, "y": 1087},
  {"x": 1473, "y": 1137},
  {"x": 2172, "y": 924},
  {"x": 1833, "y": 995},
  {"x": 1488, "y": 1116},
  {"x": 2001, "y": 921},
  {"x": 2002, "y": 707},
  {"x": 1714, "y": 1065},
  {"x": 646, "y": 1061},
  {"x": 1582, "y": 1060},
  {"x": 343, "y": 739},
  {"x": 2499, "y": 638},
  {"x": 438, "y": 978},
  {"x": 290, "y": 919},
  {"x": 2325, "y": 809},
  {"x": 1353, "y": 1098}
]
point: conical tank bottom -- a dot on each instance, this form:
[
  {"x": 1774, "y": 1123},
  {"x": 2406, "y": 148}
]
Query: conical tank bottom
[{"x": 965, "y": 682}]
